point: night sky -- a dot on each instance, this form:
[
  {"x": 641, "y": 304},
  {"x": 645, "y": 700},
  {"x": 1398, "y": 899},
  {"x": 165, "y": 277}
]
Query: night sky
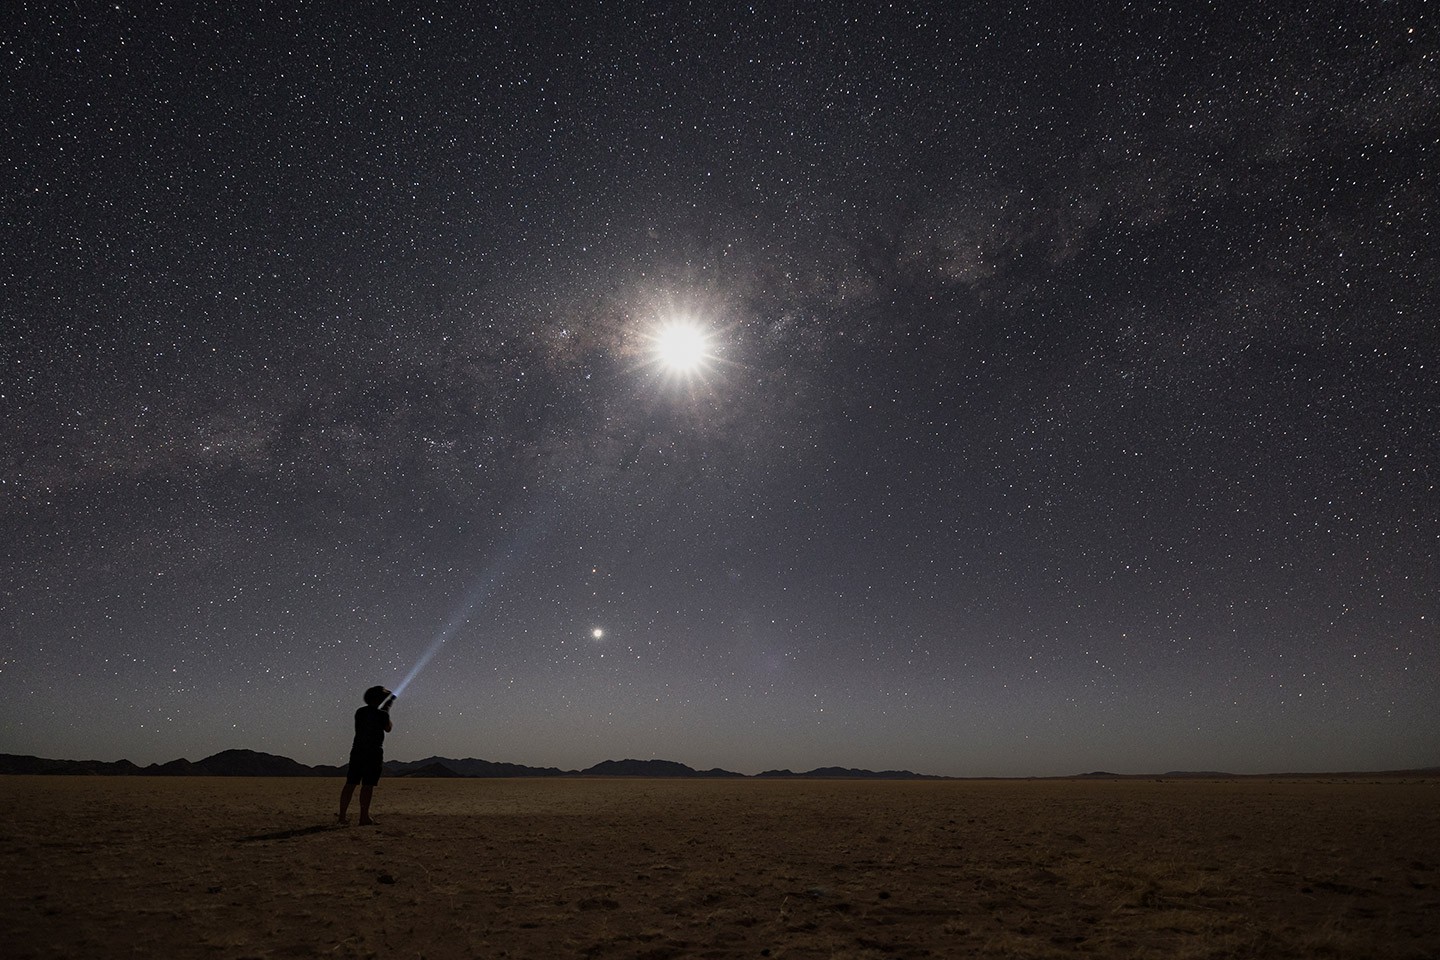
[{"x": 1068, "y": 401}]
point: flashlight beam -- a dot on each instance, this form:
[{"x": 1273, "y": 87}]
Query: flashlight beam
[
  {"x": 481, "y": 591},
  {"x": 476, "y": 596}
]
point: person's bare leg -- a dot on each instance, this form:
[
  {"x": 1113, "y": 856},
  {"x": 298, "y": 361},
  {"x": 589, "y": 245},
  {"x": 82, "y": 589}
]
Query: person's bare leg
[
  {"x": 345, "y": 794},
  {"x": 365, "y": 794}
]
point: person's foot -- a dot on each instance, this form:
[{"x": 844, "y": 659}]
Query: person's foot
[
  {"x": 367, "y": 822},
  {"x": 341, "y": 819}
]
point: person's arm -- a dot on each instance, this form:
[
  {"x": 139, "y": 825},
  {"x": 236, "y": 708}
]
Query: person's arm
[{"x": 388, "y": 725}]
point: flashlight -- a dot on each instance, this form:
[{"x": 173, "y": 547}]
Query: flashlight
[{"x": 389, "y": 701}]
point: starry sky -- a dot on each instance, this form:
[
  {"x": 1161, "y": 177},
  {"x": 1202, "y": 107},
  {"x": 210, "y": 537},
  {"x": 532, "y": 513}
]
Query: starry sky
[{"x": 1069, "y": 397}]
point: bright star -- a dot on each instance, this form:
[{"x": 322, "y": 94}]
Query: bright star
[
  {"x": 682, "y": 348},
  {"x": 597, "y": 633}
]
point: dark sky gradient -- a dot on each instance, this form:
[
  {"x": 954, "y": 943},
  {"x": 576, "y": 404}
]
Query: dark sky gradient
[{"x": 1074, "y": 402}]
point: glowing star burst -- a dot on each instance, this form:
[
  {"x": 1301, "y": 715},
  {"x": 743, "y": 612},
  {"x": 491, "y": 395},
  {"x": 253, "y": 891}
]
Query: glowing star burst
[
  {"x": 682, "y": 348},
  {"x": 597, "y": 633}
]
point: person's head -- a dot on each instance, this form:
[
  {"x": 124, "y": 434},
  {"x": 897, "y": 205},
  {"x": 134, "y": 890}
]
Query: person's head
[{"x": 376, "y": 696}]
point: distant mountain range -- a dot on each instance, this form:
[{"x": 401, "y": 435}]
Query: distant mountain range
[
  {"x": 227, "y": 763},
  {"x": 250, "y": 763},
  {"x": 848, "y": 773}
]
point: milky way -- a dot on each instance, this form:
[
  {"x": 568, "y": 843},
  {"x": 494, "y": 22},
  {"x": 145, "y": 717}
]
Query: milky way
[{"x": 1069, "y": 398}]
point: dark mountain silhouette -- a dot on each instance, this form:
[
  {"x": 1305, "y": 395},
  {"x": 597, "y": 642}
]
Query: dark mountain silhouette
[
  {"x": 226, "y": 763},
  {"x": 1198, "y": 775},
  {"x": 239, "y": 763},
  {"x": 846, "y": 773},
  {"x": 432, "y": 771},
  {"x": 471, "y": 767},
  {"x": 251, "y": 763},
  {"x": 16, "y": 763},
  {"x": 651, "y": 768},
  {"x": 172, "y": 768}
]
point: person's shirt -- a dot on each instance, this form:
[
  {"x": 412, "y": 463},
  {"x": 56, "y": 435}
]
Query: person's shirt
[{"x": 369, "y": 728}]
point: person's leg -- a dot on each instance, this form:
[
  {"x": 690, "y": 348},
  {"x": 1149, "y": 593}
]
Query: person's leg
[
  {"x": 345, "y": 794},
  {"x": 366, "y": 792}
]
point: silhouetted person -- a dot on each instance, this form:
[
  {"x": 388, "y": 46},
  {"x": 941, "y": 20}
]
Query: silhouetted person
[{"x": 367, "y": 754}]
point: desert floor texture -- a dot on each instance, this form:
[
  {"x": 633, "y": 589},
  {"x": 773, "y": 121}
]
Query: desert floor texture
[{"x": 234, "y": 868}]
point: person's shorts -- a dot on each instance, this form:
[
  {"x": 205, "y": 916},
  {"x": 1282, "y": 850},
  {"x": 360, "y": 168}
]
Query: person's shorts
[{"x": 365, "y": 767}]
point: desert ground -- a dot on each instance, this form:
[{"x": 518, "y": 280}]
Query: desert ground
[{"x": 234, "y": 868}]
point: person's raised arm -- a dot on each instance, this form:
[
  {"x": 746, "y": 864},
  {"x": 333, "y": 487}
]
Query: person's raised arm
[{"x": 385, "y": 709}]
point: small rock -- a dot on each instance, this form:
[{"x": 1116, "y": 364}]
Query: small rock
[{"x": 386, "y": 878}]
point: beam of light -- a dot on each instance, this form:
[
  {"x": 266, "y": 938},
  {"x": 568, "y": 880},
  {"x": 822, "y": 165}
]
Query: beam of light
[
  {"x": 485, "y": 586},
  {"x": 478, "y": 593}
]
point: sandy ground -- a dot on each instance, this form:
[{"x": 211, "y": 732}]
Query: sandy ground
[{"x": 231, "y": 868}]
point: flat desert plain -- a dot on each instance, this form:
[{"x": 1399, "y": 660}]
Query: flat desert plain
[{"x": 231, "y": 868}]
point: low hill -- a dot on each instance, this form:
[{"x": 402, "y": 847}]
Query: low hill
[
  {"x": 846, "y": 773},
  {"x": 250, "y": 763},
  {"x": 435, "y": 771},
  {"x": 472, "y": 767},
  {"x": 651, "y": 768},
  {"x": 18, "y": 763}
]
